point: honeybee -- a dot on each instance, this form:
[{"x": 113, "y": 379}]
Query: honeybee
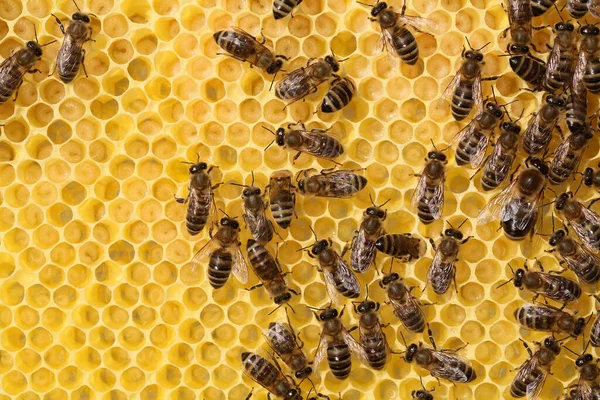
[
  {"x": 270, "y": 376},
  {"x": 587, "y": 386},
  {"x": 444, "y": 364},
  {"x": 442, "y": 271},
  {"x": 587, "y": 69},
  {"x": 255, "y": 214},
  {"x": 339, "y": 278},
  {"x": 395, "y": 37},
  {"x": 517, "y": 206},
  {"x": 577, "y": 8},
  {"x": 71, "y": 54},
  {"x": 428, "y": 197},
  {"x": 362, "y": 249},
  {"x": 243, "y": 47},
  {"x": 268, "y": 270},
  {"x": 304, "y": 81},
  {"x": 561, "y": 60},
  {"x": 201, "y": 200},
  {"x": 464, "y": 91},
  {"x": 372, "y": 338},
  {"x": 338, "y": 96},
  {"x": 338, "y": 184},
  {"x": 337, "y": 343},
  {"x": 545, "y": 318},
  {"x": 498, "y": 165},
  {"x": 538, "y": 134},
  {"x": 315, "y": 142},
  {"x": 592, "y": 178},
  {"x": 14, "y": 68},
  {"x": 567, "y": 157},
  {"x": 583, "y": 264},
  {"x": 282, "y": 197},
  {"x": 225, "y": 256},
  {"x": 584, "y": 221},
  {"x": 422, "y": 394},
  {"x": 540, "y": 283},
  {"x": 401, "y": 245},
  {"x": 282, "y": 8},
  {"x": 406, "y": 307},
  {"x": 532, "y": 374},
  {"x": 287, "y": 345}
]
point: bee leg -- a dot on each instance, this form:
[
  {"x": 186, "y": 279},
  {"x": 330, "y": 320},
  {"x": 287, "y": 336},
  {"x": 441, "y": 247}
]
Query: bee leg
[
  {"x": 33, "y": 71},
  {"x": 490, "y": 78},
  {"x": 430, "y": 333},
  {"x": 82, "y": 63},
  {"x": 345, "y": 249},
  {"x": 53, "y": 70},
  {"x": 17, "y": 91},
  {"x": 264, "y": 39},
  {"x": 355, "y": 327},
  {"x": 60, "y": 24},
  {"x": 254, "y": 287},
  {"x": 433, "y": 244},
  {"x": 298, "y": 154},
  {"x": 249, "y": 394},
  {"x": 560, "y": 132},
  {"x": 592, "y": 203},
  {"x": 181, "y": 200},
  {"x": 467, "y": 239},
  {"x": 476, "y": 172}
]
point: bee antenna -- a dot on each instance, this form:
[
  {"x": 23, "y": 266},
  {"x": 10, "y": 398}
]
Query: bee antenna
[
  {"x": 46, "y": 44},
  {"x": 403, "y": 339},
  {"x": 252, "y": 173},
  {"x": 237, "y": 184},
  {"x": 462, "y": 223},
  {"x": 505, "y": 283},
  {"x": 469, "y": 43},
  {"x": 364, "y": 4},
  {"x": 227, "y": 215},
  {"x": 371, "y": 198},
  {"x": 558, "y": 12},
  {"x": 484, "y": 46},
  {"x": 367, "y": 289},
  {"x": 566, "y": 348},
  {"x": 423, "y": 386},
  {"x": 275, "y": 309},
  {"x": 76, "y": 6},
  {"x": 511, "y": 269},
  {"x": 494, "y": 95},
  {"x": 272, "y": 141},
  {"x": 578, "y": 187},
  {"x": 520, "y": 116},
  {"x": 305, "y": 247},
  {"x": 269, "y": 130},
  {"x": 449, "y": 223},
  {"x": 433, "y": 144},
  {"x": 35, "y": 33},
  {"x": 314, "y": 233},
  {"x": 290, "y": 307}
]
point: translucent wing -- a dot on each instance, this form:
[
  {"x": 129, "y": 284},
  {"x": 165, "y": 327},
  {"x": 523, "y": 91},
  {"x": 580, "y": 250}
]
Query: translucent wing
[
  {"x": 354, "y": 346},
  {"x": 584, "y": 231},
  {"x": 584, "y": 390},
  {"x": 477, "y": 94},
  {"x": 407, "y": 310},
  {"x": 494, "y": 209},
  {"x": 440, "y": 274},
  {"x": 553, "y": 63},
  {"x": 498, "y": 165},
  {"x": 594, "y": 8},
  {"x": 561, "y": 151},
  {"x": 477, "y": 157},
  {"x": 345, "y": 275},
  {"x": 277, "y": 334},
  {"x": 419, "y": 23},
  {"x": 577, "y": 79},
  {"x": 446, "y": 366},
  {"x": 436, "y": 202},
  {"x": 340, "y": 184},
  {"x": 240, "y": 267},
  {"x": 526, "y": 368},
  {"x": 479, "y": 154},
  {"x": 579, "y": 264},
  {"x": 449, "y": 91},
  {"x": 295, "y": 85},
  {"x": 243, "y": 32},
  {"x": 334, "y": 295},
  {"x": 362, "y": 251},
  {"x": 204, "y": 253},
  {"x": 321, "y": 352},
  {"x": 465, "y": 132},
  {"x": 535, "y": 387}
]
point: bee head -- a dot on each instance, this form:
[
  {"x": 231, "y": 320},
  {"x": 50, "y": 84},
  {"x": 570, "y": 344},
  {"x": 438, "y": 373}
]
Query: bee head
[
  {"x": 474, "y": 55},
  {"x": 387, "y": 279},
  {"x": 551, "y": 344},
  {"x": 564, "y": 26},
  {"x": 275, "y": 67},
  {"x": 79, "y": 16},
  {"x": 557, "y": 237},
  {"x": 251, "y": 191},
  {"x": 455, "y": 233},
  {"x": 583, "y": 359},
  {"x": 556, "y": 101},
  {"x": 280, "y": 137},
  {"x": 579, "y": 327},
  {"x": 539, "y": 164},
  {"x": 436, "y": 155},
  {"x": 589, "y": 30},
  {"x": 378, "y": 8},
  {"x": 328, "y": 313},
  {"x": 375, "y": 211},
  {"x": 494, "y": 109},
  {"x": 519, "y": 277},
  {"x": 35, "y": 47},
  {"x": 197, "y": 167},
  {"x": 366, "y": 306},
  {"x": 515, "y": 48},
  {"x": 562, "y": 200},
  {"x": 410, "y": 352},
  {"x": 509, "y": 126},
  {"x": 588, "y": 177},
  {"x": 292, "y": 394},
  {"x": 225, "y": 221},
  {"x": 579, "y": 140},
  {"x": 303, "y": 373},
  {"x": 335, "y": 65},
  {"x": 282, "y": 299},
  {"x": 319, "y": 247}
]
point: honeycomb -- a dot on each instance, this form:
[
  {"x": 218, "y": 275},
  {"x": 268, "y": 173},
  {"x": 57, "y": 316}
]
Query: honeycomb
[{"x": 97, "y": 299}]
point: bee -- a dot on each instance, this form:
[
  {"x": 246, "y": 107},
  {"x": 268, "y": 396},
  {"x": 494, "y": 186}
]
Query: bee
[
  {"x": 577, "y": 259},
  {"x": 270, "y": 376},
  {"x": 576, "y": 109},
  {"x": 442, "y": 271},
  {"x": 444, "y": 364},
  {"x": 584, "y": 221},
  {"x": 339, "y": 278},
  {"x": 14, "y": 68},
  {"x": 561, "y": 60},
  {"x": 225, "y": 256},
  {"x": 406, "y": 307},
  {"x": 592, "y": 178},
  {"x": 428, "y": 197},
  {"x": 587, "y": 69},
  {"x": 395, "y": 36},
  {"x": 532, "y": 374},
  {"x": 305, "y": 80},
  {"x": 538, "y": 134},
  {"x": 545, "y": 318},
  {"x": 338, "y": 96},
  {"x": 337, "y": 343},
  {"x": 577, "y": 8},
  {"x": 287, "y": 345},
  {"x": 595, "y": 329},
  {"x": 372, "y": 338},
  {"x": 243, "y": 47},
  {"x": 315, "y": 142},
  {"x": 362, "y": 248},
  {"x": 282, "y": 8},
  {"x": 255, "y": 215},
  {"x": 268, "y": 270},
  {"x": 401, "y": 245},
  {"x": 201, "y": 198},
  {"x": 71, "y": 54},
  {"x": 338, "y": 184},
  {"x": 464, "y": 91},
  {"x": 540, "y": 283},
  {"x": 498, "y": 164},
  {"x": 517, "y": 206},
  {"x": 567, "y": 157},
  {"x": 587, "y": 386},
  {"x": 282, "y": 197},
  {"x": 539, "y": 7},
  {"x": 474, "y": 138}
]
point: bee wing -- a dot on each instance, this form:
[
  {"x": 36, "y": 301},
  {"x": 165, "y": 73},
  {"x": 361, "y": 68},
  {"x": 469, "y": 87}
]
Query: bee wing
[
  {"x": 240, "y": 266},
  {"x": 361, "y": 247},
  {"x": 535, "y": 387},
  {"x": 560, "y": 152},
  {"x": 525, "y": 370},
  {"x": 594, "y": 8},
  {"x": 479, "y": 155},
  {"x": 420, "y": 23},
  {"x": 321, "y": 352},
  {"x": 464, "y": 132},
  {"x": 334, "y": 295},
  {"x": 243, "y": 32},
  {"x": 494, "y": 209},
  {"x": 202, "y": 255},
  {"x": 477, "y": 95},
  {"x": 577, "y": 79},
  {"x": 354, "y": 346},
  {"x": 445, "y": 370},
  {"x": 449, "y": 91},
  {"x": 298, "y": 77},
  {"x": 583, "y": 232},
  {"x": 436, "y": 202},
  {"x": 442, "y": 273},
  {"x": 553, "y": 63},
  {"x": 405, "y": 311},
  {"x": 584, "y": 390},
  {"x": 275, "y": 334}
]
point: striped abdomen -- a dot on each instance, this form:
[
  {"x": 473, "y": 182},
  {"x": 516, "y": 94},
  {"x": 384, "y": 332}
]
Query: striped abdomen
[
  {"x": 591, "y": 76},
  {"x": 587, "y": 268},
  {"x": 405, "y": 44},
  {"x": 342, "y": 285},
  {"x": 262, "y": 262},
  {"x": 559, "y": 77},
  {"x": 577, "y": 8},
  {"x": 198, "y": 210},
  {"x": 518, "y": 388},
  {"x": 70, "y": 55},
  {"x": 561, "y": 169},
  {"x": 441, "y": 276},
  {"x": 592, "y": 234},
  {"x": 282, "y": 8},
  {"x": 339, "y": 359},
  {"x": 235, "y": 43},
  {"x": 462, "y": 99},
  {"x": 282, "y": 211},
  {"x": 338, "y": 96},
  {"x": 512, "y": 227},
  {"x": 12, "y": 76},
  {"x": 576, "y": 112},
  {"x": 538, "y": 7},
  {"x": 375, "y": 349},
  {"x": 413, "y": 321},
  {"x": 468, "y": 147},
  {"x": 537, "y": 321},
  {"x": 400, "y": 246},
  {"x": 423, "y": 210},
  {"x": 527, "y": 68},
  {"x": 536, "y": 138},
  {"x": 219, "y": 267},
  {"x": 492, "y": 179},
  {"x": 321, "y": 145}
]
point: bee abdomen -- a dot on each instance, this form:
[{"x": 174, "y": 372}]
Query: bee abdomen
[
  {"x": 282, "y": 213},
  {"x": 591, "y": 77},
  {"x": 536, "y": 141},
  {"x": 576, "y": 113},
  {"x": 576, "y": 8},
  {"x": 423, "y": 209},
  {"x": 339, "y": 95},
  {"x": 259, "y": 368},
  {"x": 376, "y": 352},
  {"x": 527, "y": 68},
  {"x": 282, "y": 8},
  {"x": 539, "y": 7},
  {"x": 462, "y": 100},
  {"x": 468, "y": 147},
  {"x": 405, "y": 44},
  {"x": 340, "y": 360},
  {"x": 219, "y": 267},
  {"x": 561, "y": 170},
  {"x": 519, "y": 388},
  {"x": 590, "y": 274},
  {"x": 400, "y": 246},
  {"x": 264, "y": 265},
  {"x": 344, "y": 289},
  {"x": 415, "y": 322}
]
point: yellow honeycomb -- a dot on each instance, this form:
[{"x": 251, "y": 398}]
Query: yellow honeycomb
[{"x": 97, "y": 299}]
